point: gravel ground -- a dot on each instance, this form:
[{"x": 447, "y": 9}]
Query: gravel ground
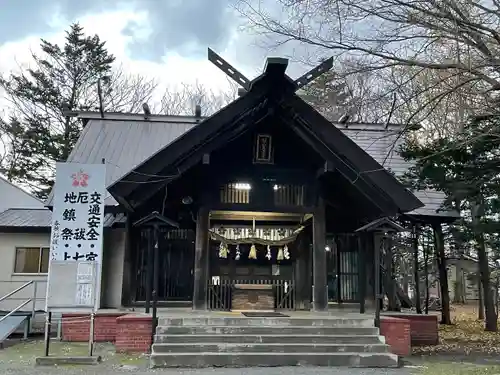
[
  {"x": 18, "y": 358},
  {"x": 95, "y": 370}
]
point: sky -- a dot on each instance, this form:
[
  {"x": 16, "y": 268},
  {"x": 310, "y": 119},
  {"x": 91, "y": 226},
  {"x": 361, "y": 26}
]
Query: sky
[{"x": 164, "y": 39}]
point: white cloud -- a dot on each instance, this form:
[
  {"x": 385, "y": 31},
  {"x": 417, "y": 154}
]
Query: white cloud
[{"x": 173, "y": 70}]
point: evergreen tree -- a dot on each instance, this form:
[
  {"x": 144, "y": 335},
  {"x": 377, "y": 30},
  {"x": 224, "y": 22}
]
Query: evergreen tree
[
  {"x": 467, "y": 169},
  {"x": 62, "y": 78}
]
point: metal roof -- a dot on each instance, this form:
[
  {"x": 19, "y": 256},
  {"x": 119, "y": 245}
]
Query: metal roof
[
  {"x": 42, "y": 218},
  {"x": 383, "y": 145},
  {"x": 123, "y": 144},
  {"x": 126, "y": 141},
  {"x": 19, "y": 217}
]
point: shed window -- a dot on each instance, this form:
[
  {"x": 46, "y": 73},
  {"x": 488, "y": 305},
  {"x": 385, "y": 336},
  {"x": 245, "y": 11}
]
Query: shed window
[{"x": 32, "y": 260}]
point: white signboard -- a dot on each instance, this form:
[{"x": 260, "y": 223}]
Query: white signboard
[{"x": 77, "y": 221}]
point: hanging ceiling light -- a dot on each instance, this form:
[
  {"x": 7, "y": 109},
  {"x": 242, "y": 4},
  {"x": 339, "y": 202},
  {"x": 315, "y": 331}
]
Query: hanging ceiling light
[
  {"x": 242, "y": 186},
  {"x": 187, "y": 200}
]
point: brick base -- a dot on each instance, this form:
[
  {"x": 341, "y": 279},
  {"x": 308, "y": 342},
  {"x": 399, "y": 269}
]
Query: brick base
[
  {"x": 130, "y": 332},
  {"x": 76, "y": 327},
  {"x": 133, "y": 333},
  {"x": 424, "y": 328},
  {"x": 397, "y": 334}
]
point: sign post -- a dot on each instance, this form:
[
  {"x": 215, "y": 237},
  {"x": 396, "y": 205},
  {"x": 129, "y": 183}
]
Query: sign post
[{"x": 75, "y": 266}]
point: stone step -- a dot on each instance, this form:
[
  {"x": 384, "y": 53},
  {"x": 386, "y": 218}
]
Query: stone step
[
  {"x": 272, "y": 359},
  {"x": 271, "y": 339},
  {"x": 261, "y": 322},
  {"x": 269, "y": 330},
  {"x": 268, "y": 348}
]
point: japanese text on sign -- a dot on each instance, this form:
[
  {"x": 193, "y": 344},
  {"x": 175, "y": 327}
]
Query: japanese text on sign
[{"x": 78, "y": 212}]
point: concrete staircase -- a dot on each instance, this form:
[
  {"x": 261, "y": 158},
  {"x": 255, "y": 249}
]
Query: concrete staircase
[{"x": 247, "y": 342}]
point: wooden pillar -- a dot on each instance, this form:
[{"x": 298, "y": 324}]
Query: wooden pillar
[
  {"x": 149, "y": 271},
  {"x": 361, "y": 274},
  {"x": 320, "y": 297},
  {"x": 377, "y": 285},
  {"x": 201, "y": 260},
  {"x": 302, "y": 275},
  {"x": 371, "y": 244},
  {"x": 128, "y": 285},
  {"x": 338, "y": 282}
]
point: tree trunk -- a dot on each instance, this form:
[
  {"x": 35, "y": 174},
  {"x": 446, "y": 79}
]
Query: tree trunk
[
  {"x": 459, "y": 292},
  {"x": 484, "y": 269},
  {"x": 459, "y": 296},
  {"x": 390, "y": 287},
  {"x": 480, "y": 301},
  {"x": 443, "y": 274},
  {"x": 416, "y": 275}
]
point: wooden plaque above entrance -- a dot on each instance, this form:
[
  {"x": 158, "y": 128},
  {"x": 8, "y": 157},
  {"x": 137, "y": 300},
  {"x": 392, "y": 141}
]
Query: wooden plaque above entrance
[{"x": 263, "y": 153}]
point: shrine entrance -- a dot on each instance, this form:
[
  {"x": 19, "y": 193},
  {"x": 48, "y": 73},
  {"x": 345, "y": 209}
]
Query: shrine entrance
[
  {"x": 176, "y": 265},
  {"x": 342, "y": 257},
  {"x": 252, "y": 267}
]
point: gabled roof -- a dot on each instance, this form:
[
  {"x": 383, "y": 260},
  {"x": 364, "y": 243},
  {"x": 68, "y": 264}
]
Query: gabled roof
[
  {"x": 381, "y": 224},
  {"x": 373, "y": 138},
  {"x": 124, "y": 141},
  {"x": 274, "y": 91},
  {"x": 13, "y": 196},
  {"x": 383, "y": 145}
]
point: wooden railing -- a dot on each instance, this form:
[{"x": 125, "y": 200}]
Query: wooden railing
[
  {"x": 232, "y": 193},
  {"x": 289, "y": 195},
  {"x": 220, "y": 291}
]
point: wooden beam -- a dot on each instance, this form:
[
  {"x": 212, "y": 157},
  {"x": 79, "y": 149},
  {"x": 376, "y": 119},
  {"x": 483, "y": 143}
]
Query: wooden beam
[
  {"x": 144, "y": 191},
  {"x": 128, "y": 265},
  {"x": 228, "y": 69},
  {"x": 390, "y": 191},
  {"x": 346, "y": 170},
  {"x": 201, "y": 258},
  {"x": 320, "y": 297},
  {"x": 302, "y": 276},
  {"x": 314, "y": 73},
  {"x": 191, "y": 141},
  {"x": 275, "y": 66},
  {"x": 327, "y": 167},
  {"x": 361, "y": 272}
]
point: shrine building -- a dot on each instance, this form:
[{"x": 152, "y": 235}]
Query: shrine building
[{"x": 264, "y": 206}]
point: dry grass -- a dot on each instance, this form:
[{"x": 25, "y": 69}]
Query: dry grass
[
  {"x": 465, "y": 336},
  {"x": 458, "y": 369}
]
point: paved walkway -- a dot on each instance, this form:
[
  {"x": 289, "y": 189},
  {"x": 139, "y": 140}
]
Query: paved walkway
[
  {"x": 19, "y": 359},
  {"x": 98, "y": 370}
]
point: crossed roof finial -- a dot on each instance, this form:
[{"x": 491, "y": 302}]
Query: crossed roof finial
[{"x": 240, "y": 79}]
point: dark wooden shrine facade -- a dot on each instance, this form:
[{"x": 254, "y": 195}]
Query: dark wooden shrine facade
[{"x": 271, "y": 160}]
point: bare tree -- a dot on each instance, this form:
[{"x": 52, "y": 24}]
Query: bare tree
[
  {"x": 125, "y": 92},
  {"x": 456, "y": 42},
  {"x": 182, "y": 101}
]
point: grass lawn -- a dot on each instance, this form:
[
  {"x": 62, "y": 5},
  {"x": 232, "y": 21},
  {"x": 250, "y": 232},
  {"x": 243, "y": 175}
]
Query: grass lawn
[
  {"x": 453, "y": 368},
  {"x": 23, "y": 353}
]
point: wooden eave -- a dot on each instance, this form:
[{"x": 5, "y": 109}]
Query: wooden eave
[{"x": 273, "y": 91}]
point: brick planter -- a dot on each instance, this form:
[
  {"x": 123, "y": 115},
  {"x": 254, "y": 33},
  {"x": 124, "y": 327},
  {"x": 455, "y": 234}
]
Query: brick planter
[
  {"x": 397, "y": 334},
  {"x": 424, "y": 328},
  {"x": 76, "y": 327},
  {"x": 133, "y": 333}
]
